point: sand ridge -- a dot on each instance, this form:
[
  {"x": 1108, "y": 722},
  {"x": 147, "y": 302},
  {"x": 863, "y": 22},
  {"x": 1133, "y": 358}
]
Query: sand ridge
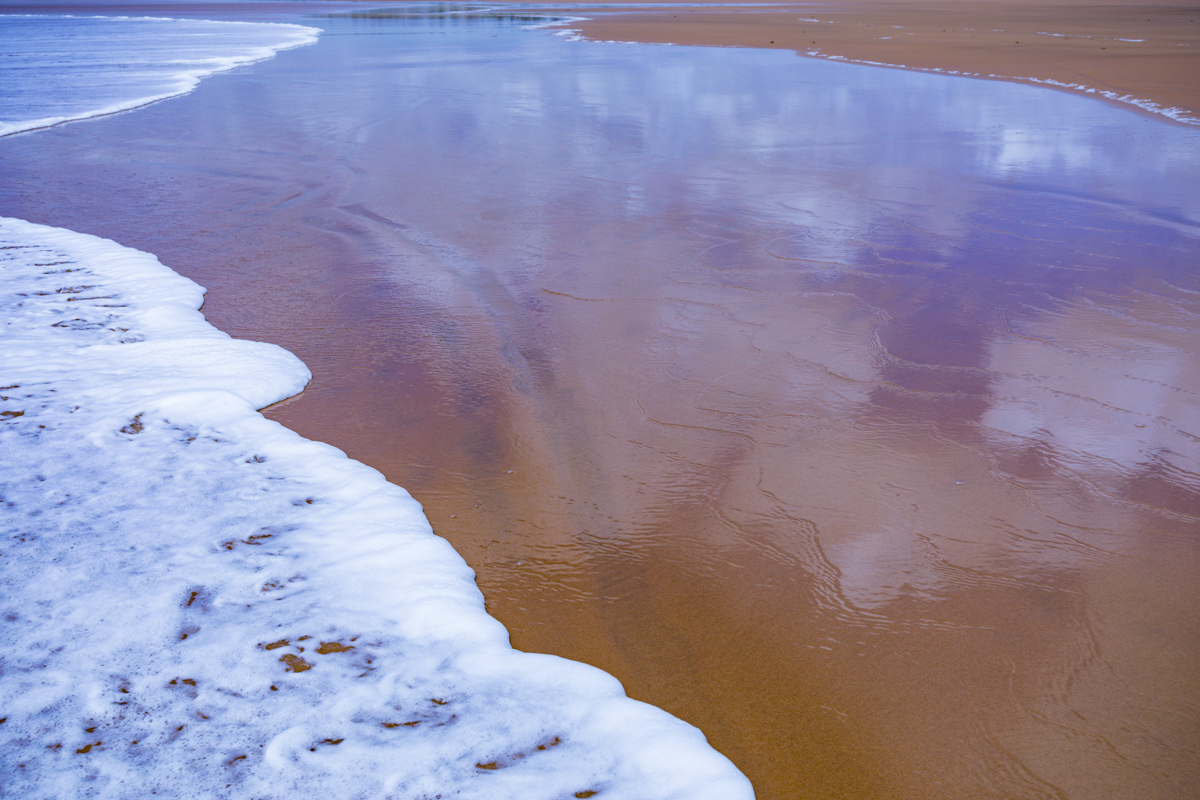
[{"x": 1131, "y": 51}]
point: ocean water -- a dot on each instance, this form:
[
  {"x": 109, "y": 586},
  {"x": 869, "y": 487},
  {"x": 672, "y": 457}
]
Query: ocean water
[
  {"x": 59, "y": 68},
  {"x": 847, "y": 413},
  {"x": 200, "y": 603}
]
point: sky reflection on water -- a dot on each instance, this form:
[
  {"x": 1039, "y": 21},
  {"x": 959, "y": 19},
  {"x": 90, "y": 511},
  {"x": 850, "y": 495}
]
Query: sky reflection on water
[
  {"x": 847, "y": 413},
  {"x": 839, "y": 391}
]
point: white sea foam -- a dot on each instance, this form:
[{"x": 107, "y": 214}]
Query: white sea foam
[
  {"x": 1174, "y": 113},
  {"x": 198, "y": 602},
  {"x": 118, "y": 63},
  {"x": 570, "y": 34}
]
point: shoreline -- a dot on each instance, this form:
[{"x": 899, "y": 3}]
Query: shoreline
[
  {"x": 168, "y": 79},
  {"x": 128, "y": 401},
  {"x": 516, "y": 357},
  {"x": 1080, "y": 46}
]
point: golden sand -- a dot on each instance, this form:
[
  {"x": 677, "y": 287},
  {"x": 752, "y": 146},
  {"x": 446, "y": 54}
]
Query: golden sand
[
  {"x": 1148, "y": 51},
  {"x": 769, "y": 509}
]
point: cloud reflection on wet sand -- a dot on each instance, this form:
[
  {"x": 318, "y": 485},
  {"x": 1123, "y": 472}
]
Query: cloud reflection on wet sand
[{"x": 802, "y": 397}]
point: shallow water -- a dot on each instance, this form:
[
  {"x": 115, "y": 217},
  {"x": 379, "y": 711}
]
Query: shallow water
[
  {"x": 62, "y": 67},
  {"x": 188, "y": 585},
  {"x": 849, "y": 414}
]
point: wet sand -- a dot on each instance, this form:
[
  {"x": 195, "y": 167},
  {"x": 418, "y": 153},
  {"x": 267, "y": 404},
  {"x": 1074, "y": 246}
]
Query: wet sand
[
  {"x": 1085, "y": 42},
  {"x": 888, "y": 485}
]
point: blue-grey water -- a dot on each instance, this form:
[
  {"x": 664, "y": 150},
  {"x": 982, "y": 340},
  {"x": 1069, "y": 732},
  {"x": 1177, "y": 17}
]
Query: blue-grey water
[
  {"x": 849, "y": 414},
  {"x": 63, "y": 67}
]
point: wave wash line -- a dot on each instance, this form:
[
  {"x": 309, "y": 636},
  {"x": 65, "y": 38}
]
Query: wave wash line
[
  {"x": 119, "y": 63},
  {"x": 198, "y": 602},
  {"x": 197, "y": 598}
]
